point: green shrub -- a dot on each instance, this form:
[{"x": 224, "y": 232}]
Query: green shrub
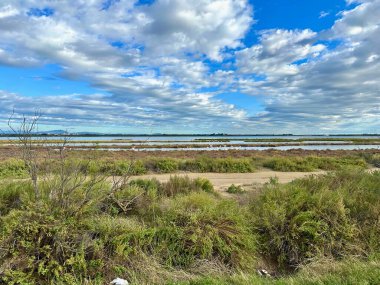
[
  {"x": 184, "y": 185},
  {"x": 117, "y": 167},
  {"x": 219, "y": 165},
  {"x": 373, "y": 159},
  {"x": 200, "y": 226},
  {"x": 11, "y": 195},
  {"x": 233, "y": 189},
  {"x": 130, "y": 168},
  {"x": 146, "y": 184},
  {"x": 204, "y": 184},
  {"x": 289, "y": 164},
  {"x": 312, "y": 163},
  {"x": 13, "y": 168},
  {"x": 329, "y": 216},
  {"x": 38, "y": 248},
  {"x": 166, "y": 165}
]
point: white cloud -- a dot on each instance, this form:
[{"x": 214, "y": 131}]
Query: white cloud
[
  {"x": 152, "y": 60},
  {"x": 323, "y": 14},
  {"x": 278, "y": 52},
  {"x": 336, "y": 91},
  {"x": 139, "y": 54}
]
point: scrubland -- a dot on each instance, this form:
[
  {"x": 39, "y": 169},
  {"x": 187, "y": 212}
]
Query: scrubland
[
  {"x": 318, "y": 230},
  {"x": 15, "y": 168}
]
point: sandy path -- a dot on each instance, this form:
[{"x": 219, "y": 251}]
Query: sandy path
[{"x": 223, "y": 180}]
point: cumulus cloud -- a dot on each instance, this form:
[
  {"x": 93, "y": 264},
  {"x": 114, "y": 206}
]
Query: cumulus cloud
[
  {"x": 164, "y": 64},
  {"x": 146, "y": 56},
  {"x": 335, "y": 89},
  {"x": 278, "y": 52}
]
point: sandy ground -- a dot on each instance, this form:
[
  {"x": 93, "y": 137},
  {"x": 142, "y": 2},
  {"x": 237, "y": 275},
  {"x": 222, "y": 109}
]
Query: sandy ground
[{"x": 222, "y": 181}]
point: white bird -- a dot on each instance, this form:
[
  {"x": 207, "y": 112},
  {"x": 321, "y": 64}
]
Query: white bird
[{"x": 119, "y": 281}]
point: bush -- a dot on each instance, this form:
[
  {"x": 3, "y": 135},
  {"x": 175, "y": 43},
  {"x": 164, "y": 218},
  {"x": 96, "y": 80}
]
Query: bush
[
  {"x": 289, "y": 164},
  {"x": 200, "y": 226},
  {"x": 312, "y": 163},
  {"x": 330, "y": 216},
  {"x": 164, "y": 165},
  {"x": 204, "y": 184},
  {"x": 373, "y": 159},
  {"x": 108, "y": 167},
  {"x": 233, "y": 189},
  {"x": 38, "y": 248},
  {"x": 219, "y": 165},
  {"x": 184, "y": 185},
  {"x": 11, "y": 195},
  {"x": 13, "y": 168}
]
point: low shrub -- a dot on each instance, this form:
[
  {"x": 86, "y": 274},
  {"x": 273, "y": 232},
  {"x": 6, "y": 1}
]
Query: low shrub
[
  {"x": 13, "y": 168},
  {"x": 184, "y": 185},
  {"x": 373, "y": 159},
  {"x": 335, "y": 215},
  {"x": 233, "y": 189},
  {"x": 166, "y": 165},
  {"x": 219, "y": 165},
  {"x": 12, "y": 194},
  {"x": 116, "y": 167},
  {"x": 38, "y": 248},
  {"x": 202, "y": 227},
  {"x": 312, "y": 163},
  {"x": 289, "y": 164}
]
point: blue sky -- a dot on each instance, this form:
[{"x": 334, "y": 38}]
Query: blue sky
[{"x": 232, "y": 66}]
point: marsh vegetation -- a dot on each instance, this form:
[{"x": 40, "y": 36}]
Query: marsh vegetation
[
  {"x": 66, "y": 219},
  {"x": 313, "y": 230}
]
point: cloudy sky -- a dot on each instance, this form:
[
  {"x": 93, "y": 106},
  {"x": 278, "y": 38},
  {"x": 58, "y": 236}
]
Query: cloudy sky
[{"x": 199, "y": 66}]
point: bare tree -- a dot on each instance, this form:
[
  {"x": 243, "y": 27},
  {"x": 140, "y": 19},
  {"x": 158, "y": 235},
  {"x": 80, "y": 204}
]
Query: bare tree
[
  {"x": 24, "y": 131},
  {"x": 64, "y": 181}
]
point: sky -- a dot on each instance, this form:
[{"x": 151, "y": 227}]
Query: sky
[{"x": 200, "y": 66}]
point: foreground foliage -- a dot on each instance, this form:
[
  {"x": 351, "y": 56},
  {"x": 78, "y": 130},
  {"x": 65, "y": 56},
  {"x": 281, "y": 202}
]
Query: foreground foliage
[{"x": 317, "y": 230}]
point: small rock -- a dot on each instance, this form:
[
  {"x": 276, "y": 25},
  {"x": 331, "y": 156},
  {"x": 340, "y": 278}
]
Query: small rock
[{"x": 119, "y": 281}]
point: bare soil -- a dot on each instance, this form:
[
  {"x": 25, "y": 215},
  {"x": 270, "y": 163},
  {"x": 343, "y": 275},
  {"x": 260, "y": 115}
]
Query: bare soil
[{"x": 222, "y": 181}]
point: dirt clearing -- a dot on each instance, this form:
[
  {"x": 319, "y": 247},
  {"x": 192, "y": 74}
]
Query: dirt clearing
[{"x": 222, "y": 181}]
